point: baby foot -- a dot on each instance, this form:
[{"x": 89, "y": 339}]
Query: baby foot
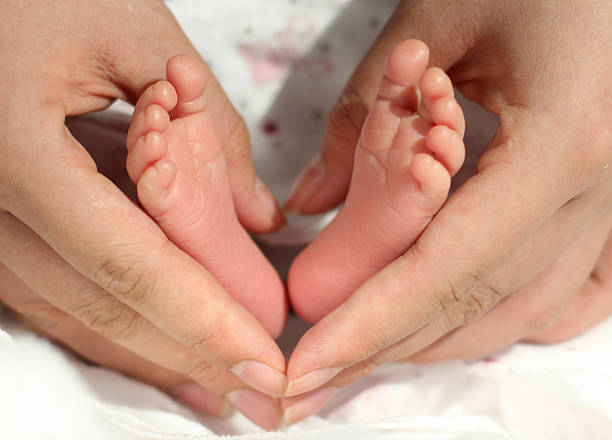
[
  {"x": 176, "y": 161},
  {"x": 410, "y": 146}
]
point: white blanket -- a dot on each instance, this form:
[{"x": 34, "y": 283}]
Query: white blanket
[{"x": 283, "y": 63}]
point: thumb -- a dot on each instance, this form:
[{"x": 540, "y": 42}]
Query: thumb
[{"x": 325, "y": 180}]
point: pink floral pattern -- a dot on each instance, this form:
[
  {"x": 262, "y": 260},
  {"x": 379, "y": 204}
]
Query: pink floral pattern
[{"x": 269, "y": 61}]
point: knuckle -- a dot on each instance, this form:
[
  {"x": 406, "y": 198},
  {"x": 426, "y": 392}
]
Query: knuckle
[
  {"x": 367, "y": 346},
  {"x": 208, "y": 336},
  {"x": 486, "y": 296},
  {"x": 452, "y": 319},
  {"x": 468, "y": 309},
  {"x": 366, "y": 367},
  {"x": 108, "y": 317},
  {"x": 204, "y": 373},
  {"x": 204, "y": 338},
  {"x": 449, "y": 301},
  {"x": 125, "y": 276},
  {"x": 460, "y": 309}
]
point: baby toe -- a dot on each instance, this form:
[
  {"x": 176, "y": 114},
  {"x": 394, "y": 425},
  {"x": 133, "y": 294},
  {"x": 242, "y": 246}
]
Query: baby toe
[
  {"x": 154, "y": 187},
  {"x": 433, "y": 179},
  {"x": 434, "y": 84},
  {"x": 447, "y": 146},
  {"x": 161, "y": 93},
  {"x": 147, "y": 150},
  {"x": 446, "y": 111},
  {"x": 188, "y": 77},
  {"x": 152, "y": 118}
]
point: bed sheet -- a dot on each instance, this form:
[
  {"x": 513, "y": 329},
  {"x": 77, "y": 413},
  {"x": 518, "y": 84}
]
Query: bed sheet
[{"x": 283, "y": 63}]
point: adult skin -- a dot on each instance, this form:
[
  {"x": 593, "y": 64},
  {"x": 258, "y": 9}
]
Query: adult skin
[
  {"x": 521, "y": 250},
  {"x": 80, "y": 261}
]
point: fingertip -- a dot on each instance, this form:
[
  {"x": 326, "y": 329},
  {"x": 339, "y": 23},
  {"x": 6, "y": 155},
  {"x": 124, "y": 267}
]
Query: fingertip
[
  {"x": 199, "y": 399},
  {"x": 406, "y": 62},
  {"x": 308, "y": 405},
  {"x": 257, "y": 209},
  {"x": 306, "y": 185},
  {"x": 261, "y": 377},
  {"x": 269, "y": 207},
  {"x": 187, "y": 75},
  {"x": 311, "y": 381},
  {"x": 259, "y": 408}
]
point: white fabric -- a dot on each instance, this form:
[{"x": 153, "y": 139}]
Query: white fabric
[
  {"x": 283, "y": 63},
  {"x": 528, "y": 392}
]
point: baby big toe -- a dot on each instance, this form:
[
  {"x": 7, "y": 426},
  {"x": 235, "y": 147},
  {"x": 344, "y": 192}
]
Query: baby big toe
[
  {"x": 404, "y": 66},
  {"x": 188, "y": 77}
]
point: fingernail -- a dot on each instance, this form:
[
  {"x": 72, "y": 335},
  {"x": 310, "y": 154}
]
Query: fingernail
[
  {"x": 306, "y": 185},
  {"x": 257, "y": 407},
  {"x": 266, "y": 198},
  {"x": 196, "y": 397},
  {"x": 309, "y": 405},
  {"x": 311, "y": 380},
  {"x": 261, "y": 377}
]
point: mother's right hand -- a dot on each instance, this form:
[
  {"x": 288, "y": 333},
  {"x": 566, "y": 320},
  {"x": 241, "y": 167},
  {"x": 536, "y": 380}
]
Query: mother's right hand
[{"x": 71, "y": 240}]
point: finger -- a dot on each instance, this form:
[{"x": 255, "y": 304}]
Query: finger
[
  {"x": 325, "y": 180},
  {"x": 45, "y": 272},
  {"x": 52, "y": 323},
  {"x": 519, "y": 313},
  {"x": 592, "y": 305},
  {"x": 530, "y": 307},
  {"x": 55, "y": 281},
  {"x": 113, "y": 243},
  {"x": 140, "y": 59},
  {"x": 416, "y": 295},
  {"x": 527, "y": 310},
  {"x": 61, "y": 327}
]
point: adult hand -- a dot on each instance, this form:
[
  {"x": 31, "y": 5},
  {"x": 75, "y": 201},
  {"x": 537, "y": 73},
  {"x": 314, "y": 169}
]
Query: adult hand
[
  {"x": 516, "y": 243},
  {"x": 77, "y": 252}
]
